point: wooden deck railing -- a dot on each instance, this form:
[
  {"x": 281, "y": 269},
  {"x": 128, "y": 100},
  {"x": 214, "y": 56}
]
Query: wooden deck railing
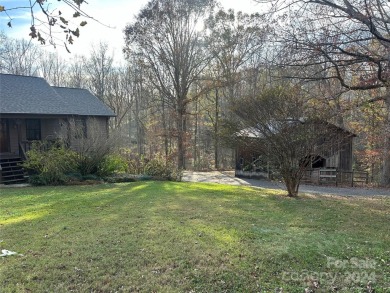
[
  {"x": 27, "y": 145},
  {"x": 22, "y": 151},
  {"x": 336, "y": 177}
]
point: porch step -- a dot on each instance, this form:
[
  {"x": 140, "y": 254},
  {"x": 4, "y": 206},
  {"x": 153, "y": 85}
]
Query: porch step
[{"x": 11, "y": 171}]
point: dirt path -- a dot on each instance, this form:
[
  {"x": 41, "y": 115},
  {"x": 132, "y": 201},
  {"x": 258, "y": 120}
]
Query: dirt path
[{"x": 228, "y": 178}]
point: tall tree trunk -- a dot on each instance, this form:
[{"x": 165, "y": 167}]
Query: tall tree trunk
[
  {"x": 165, "y": 129},
  {"x": 140, "y": 138},
  {"x": 339, "y": 114},
  {"x": 195, "y": 153},
  {"x": 181, "y": 133},
  {"x": 216, "y": 131},
  {"x": 385, "y": 180}
]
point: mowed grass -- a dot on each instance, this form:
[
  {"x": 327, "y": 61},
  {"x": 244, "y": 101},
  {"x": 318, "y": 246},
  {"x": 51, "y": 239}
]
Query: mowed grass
[{"x": 190, "y": 237}]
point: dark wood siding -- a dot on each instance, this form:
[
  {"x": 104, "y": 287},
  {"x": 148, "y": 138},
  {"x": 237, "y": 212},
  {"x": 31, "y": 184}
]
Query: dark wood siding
[{"x": 52, "y": 127}]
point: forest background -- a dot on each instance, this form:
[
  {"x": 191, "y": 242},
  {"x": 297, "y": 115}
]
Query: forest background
[{"x": 184, "y": 68}]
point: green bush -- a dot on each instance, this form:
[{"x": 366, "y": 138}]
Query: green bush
[
  {"x": 52, "y": 163},
  {"x": 162, "y": 168},
  {"x": 49, "y": 162},
  {"x": 87, "y": 164},
  {"x": 134, "y": 163},
  {"x": 37, "y": 180},
  {"x": 111, "y": 164},
  {"x": 157, "y": 166},
  {"x": 100, "y": 165}
]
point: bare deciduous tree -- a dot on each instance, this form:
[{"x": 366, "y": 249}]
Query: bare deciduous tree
[
  {"x": 19, "y": 57},
  {"x": 119, "y": 93},
  {"x": 343, "y": 40},
  {"x": 167, "y": 36},
  {"x": 278, "y": 124},
  {"x": 76, "y": 73},
  {"x": 53, "y": 69},
  {"x": 99, "y": 66},
  {"x": 234, "y": 38}
]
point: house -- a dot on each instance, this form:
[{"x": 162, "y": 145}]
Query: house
[
  {"x": 31, "y": 110},
  {"x": 334, "y": 161}
]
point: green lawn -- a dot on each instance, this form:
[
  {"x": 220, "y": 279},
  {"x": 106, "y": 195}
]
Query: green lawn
[{"x": 189, "y": 237}]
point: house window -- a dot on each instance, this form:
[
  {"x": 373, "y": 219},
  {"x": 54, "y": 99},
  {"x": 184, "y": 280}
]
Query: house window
[
  {"x": 33, "y": 129},
  {"x": 81, "y": 128}
]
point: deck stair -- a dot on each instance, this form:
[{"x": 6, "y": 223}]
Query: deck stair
[{"x": 11, "y": 170}]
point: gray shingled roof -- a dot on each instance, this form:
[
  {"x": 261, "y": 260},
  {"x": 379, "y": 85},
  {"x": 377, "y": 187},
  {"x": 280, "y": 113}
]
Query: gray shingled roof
[
  {"x": 33, "y": 95},
  {"x": 82, "y": 102}
]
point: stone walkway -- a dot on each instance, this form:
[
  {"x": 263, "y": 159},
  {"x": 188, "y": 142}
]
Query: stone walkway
[{"x": 227, "y": 177}]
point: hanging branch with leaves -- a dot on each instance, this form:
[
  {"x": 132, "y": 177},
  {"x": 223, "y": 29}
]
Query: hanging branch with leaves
[{"x": 54, "y": 20}]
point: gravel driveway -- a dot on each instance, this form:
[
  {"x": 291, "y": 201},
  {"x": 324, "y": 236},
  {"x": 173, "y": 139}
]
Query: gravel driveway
[{"x": 228, "y": 178}]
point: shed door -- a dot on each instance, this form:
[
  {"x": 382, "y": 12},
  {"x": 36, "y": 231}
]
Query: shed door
[{"x": 4, "y": 136}]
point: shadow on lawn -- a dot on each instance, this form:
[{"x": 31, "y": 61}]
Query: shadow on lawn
[
  {"x": 187, "y": 235},
  {"x": 153, "y": 198}
]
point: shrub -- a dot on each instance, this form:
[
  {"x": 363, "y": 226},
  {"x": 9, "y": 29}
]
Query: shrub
[
  {"x": 37, "y": 180},
  {"x": 134, "y": 163},
  {"x": 111, "y": 164},
  {"x": 88, "y": 164},
  {"x": 162, "y": 168},
  {"x": 49, "y": 163},
  {"x": 176, "y": 174},
  {"x": 204, "y": 163},
  {"x": 94, "y": 149},
  {"x": 156, "y": 166},
  {"x": 100, "y": 165}
]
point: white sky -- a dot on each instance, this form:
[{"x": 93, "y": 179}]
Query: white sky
[{"x": 113, "y": 13}]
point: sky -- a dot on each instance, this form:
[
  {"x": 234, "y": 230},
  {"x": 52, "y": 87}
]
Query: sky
[{"x": 113, "y": 15}]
